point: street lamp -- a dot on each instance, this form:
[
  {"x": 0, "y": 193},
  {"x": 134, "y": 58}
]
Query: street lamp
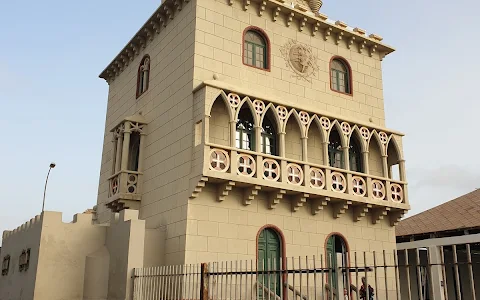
[{"x": 52, "y": 165}]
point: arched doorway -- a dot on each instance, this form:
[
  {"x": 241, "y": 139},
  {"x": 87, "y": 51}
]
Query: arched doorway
[
  {"x": 269, "y": 245},
  {"x": 337, "y": 258}
]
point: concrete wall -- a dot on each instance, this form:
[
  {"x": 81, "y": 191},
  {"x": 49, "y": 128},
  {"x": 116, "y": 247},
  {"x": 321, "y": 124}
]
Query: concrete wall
[
  {"x": 75, "y": 260},
  {"x": 227, "y": 231},
  {"x": 21, "y": 285},
  {"x": 95, "y": 285},
  {"x": 154, "y": 247},
  {"x": 63, "y": 251},
  {"x": 125, "y": 243}
]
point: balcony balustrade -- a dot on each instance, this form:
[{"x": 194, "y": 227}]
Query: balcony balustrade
[
  {"x": 124, "y": 190},
  {"x": 299, "y": 177}
]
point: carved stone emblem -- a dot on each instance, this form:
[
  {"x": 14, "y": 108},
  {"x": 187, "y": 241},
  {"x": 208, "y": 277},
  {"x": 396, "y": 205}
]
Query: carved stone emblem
[{"x": 300, "y": 59}]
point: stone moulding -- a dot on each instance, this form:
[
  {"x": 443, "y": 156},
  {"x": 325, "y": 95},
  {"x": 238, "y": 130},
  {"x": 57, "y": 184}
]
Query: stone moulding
[{"x": 316, "y": 22}]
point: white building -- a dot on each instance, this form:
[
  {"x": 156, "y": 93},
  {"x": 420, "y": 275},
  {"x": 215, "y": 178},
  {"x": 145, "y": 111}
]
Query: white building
[{"x": 443, "y": 246}]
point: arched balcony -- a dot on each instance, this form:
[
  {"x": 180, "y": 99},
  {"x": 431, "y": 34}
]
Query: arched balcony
[
  {"x": 126, "y": 180},
  {"x": 297, "y": 151}
]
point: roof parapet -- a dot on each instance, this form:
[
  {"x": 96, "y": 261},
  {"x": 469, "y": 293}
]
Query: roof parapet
[{"x": 318, "y": 23}]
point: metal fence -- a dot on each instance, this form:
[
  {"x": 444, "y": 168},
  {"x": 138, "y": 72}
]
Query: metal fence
[{"x": 406, "y": 274}]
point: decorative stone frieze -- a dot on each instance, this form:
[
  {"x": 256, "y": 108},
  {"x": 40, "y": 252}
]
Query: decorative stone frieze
[{"x": 300, "y": 59}]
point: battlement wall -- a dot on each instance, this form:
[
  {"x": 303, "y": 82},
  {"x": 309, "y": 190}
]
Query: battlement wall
[
  {"x": 57, "y": 254},
  {"x": 78, "y": 254},
  {"x": 22, "y": 228}
]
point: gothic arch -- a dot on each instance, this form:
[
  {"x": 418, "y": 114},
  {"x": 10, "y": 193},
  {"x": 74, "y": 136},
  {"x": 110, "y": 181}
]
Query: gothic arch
[
  {"x": 249, "y": 103},
  {"x": 393, "y": 142},
  {"x": 219, "y": 121},
  {"x": 315, "y": 142},
  {"x": 393, "y": 159},
  {"x": 375, "y": 136},
  {"x": 335, "y": 124},
  {"x": 221, "y": 96},
  {"x": 270, "y": 107},
  {"x": 361, "y": 141},
  {"x": 375, "y": 155},
  {"x": 355, "y": 151},
  {"x": 269, "y": 133},
  {"x": 297, "y": 118},
  {"x": 293, "y": 136},
  {"x": 315, "y": 120},
  {"x": 246, "y": 126}
]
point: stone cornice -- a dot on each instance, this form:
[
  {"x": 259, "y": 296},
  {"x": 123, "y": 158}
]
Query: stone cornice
[
  {"x": 295, "y": 15},
  {"x": 318, "y": 24},
  {"x": 259, "y": 95},
  {"x": 159, "y": 19}
]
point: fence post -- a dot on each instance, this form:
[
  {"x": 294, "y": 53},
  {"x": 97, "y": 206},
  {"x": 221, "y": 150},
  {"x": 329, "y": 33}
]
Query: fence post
[{"x": 204, "y": 282}]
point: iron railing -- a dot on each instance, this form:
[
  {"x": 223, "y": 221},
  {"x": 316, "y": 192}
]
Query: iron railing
[{"x": 403, "y": 274}]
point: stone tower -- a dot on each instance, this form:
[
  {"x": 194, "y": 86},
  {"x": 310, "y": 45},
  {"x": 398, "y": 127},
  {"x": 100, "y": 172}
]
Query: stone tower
[{"x": 252, "y": 129}]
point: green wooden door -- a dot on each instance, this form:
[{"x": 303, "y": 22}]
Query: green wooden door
[
  {"x": 332, "y": 263},
  {"x": 269, "y": 260}
]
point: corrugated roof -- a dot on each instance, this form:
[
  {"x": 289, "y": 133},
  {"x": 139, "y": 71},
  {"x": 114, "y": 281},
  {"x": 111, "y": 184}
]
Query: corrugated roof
[{"x": 462, "y": 212}]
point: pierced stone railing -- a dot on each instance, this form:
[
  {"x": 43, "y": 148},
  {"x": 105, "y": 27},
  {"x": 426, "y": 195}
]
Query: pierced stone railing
[
  {"x": 263, "y": 169},
  {"x": 124, "y": 186}
]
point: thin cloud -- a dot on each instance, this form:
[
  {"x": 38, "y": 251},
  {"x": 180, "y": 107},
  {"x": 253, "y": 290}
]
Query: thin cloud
[{"x": 449, "y": 176}]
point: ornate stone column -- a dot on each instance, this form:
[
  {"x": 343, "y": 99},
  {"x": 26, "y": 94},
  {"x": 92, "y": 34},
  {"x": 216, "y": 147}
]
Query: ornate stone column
[
  {"x": 366, "y": 165},
  {"x": 233, "y": 131},
  {"x": 325, "y": 153},
  {"x": 114, "y": 152},
  {"x": 305, "y": 149},
  {"x": 346, "y": 158},
  {"x": 118, "y": 154},
  {"x": 401, "y": 169},
  {"x": 385, "y": 165},
  {"x": 126, "y": 144},
  {"x": 141, "y": 150},
  {"x": 258, "y": 139},
  {"x": 281, "y": 144}
]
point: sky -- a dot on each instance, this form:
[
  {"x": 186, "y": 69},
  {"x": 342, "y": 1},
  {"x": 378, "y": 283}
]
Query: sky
[{"x": 53, "y": 104}]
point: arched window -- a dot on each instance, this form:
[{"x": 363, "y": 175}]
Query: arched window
[
  {"x": 355, "y": 155},
  {"x": 335, "y": 151},
  {"x": 269, "y": 245},
  {"x": 143, "y": 76},
  {"x": 134, "y": 151},
  {"x": 245, "y": 136},
  {"x": 219, "y": 129},
  {"x": 340, "y": 76},
  {"x": 393, "y": 161},
  {"x": 255, "y": 49},
  {"x": 269, "y": 137},
  {"x": 337, "y": 257},
  {"x": 5, "y": 265}
]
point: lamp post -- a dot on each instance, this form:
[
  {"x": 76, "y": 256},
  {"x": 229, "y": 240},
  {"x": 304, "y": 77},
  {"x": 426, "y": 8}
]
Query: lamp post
[{"x": 52, "y": 165}]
